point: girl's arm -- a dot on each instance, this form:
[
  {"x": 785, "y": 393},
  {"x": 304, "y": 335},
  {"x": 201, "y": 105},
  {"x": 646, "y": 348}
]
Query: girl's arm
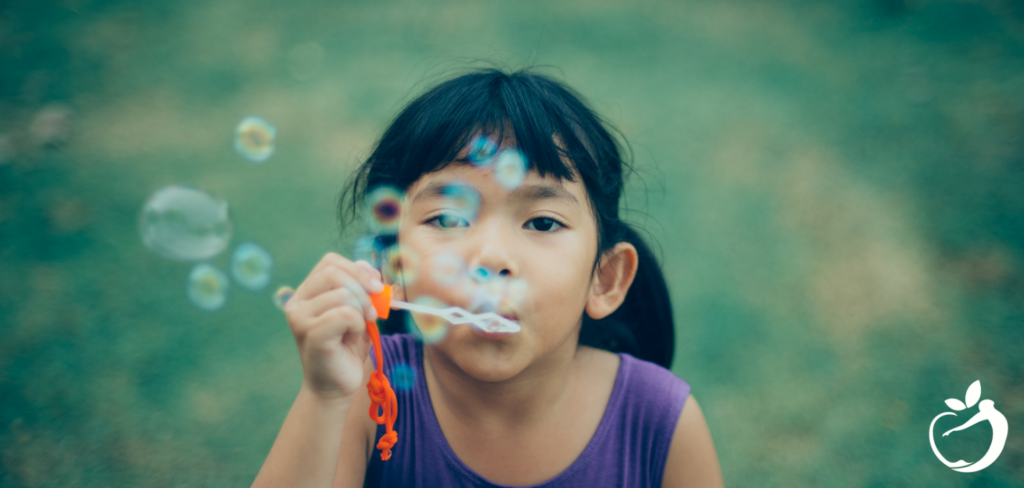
[
  {"x": 321, "y": 442},
  {"x": 306, "y": 451},
  {"x": 692, "y": 460},
  {"x": 327, "y": 315}
]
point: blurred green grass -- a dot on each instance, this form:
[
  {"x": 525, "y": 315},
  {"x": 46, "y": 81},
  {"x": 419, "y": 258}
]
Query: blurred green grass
[{"x": 836, "y": 189}]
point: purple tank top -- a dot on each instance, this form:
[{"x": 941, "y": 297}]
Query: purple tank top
[{"x": 629, "y": 448}]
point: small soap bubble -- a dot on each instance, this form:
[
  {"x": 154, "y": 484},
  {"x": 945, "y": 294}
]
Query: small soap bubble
[
  {"x": 403, "y": 377},
  {"x": 426, "y": 327},
  {"x": 448, "y": 268},
  {"x": 184, "y": 223},
  {"x": 282, "y": 295},
  {"x": 510, "y": 169},
  {"x": 401, "y": 264},
  {"x": 486, "y": 297},
  {"x": 481, "y": 151},
  {"x": 254, "y": 139},
  {"x": 207, "y": 287},
  {"x": 462, "y": 198},
  {"x": 251, "y": 266},
  {"x": 384, "y": 208},
  {"x": 367, "y": 248},
  {"x": 513, "y": 295},
  {"x": 482, "y": 274}
]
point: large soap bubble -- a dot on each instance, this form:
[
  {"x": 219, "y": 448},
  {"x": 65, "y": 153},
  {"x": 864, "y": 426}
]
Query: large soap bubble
[{"x": 184, "y": 223}]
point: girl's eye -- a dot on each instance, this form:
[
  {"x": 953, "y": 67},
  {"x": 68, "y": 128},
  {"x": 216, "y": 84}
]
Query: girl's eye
[
  {"x": 543, "y": 224},
  {"x": 448, "y": 221}
]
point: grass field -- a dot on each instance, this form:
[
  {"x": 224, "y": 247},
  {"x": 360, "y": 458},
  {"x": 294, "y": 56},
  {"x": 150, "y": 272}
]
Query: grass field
[{"x": 837, "y": 189}]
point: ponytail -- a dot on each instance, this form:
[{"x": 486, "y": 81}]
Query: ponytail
[{"x": 642, "y": 326}]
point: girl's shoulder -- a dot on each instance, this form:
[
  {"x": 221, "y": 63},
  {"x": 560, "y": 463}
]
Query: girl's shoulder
[{"x": 636, "y": 384}]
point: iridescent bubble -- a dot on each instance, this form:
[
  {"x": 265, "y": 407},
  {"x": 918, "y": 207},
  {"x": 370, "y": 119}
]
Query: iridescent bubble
[
  {"x": 282, "y": 295},
  {"x": 513, "y": 295},
  {"x": 485, "y": 298},
  {"x": 462, "y": 198},
  {"x": 251, "y": 266},
  {"x": 207, "y": 287},
  {"x": 185, "y": 223},
  {"x": 254, "y": 139},
  {"x": 481, "y": 151},
  {"x": 510, "y": 169},
  {"x": 448, "y": 268},
  {"x": 482, "y": 274},
  {"x": 384, "y": 208},
  {"x": 426, "y": 327},
  {"x": 367, "y": 248},
  {"x": 401, "y": 264},
  {"x": 403, "y": 377}
]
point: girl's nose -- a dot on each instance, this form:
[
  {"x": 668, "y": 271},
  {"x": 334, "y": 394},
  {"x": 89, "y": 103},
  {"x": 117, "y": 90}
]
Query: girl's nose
[{"x": 493, "y": 250}]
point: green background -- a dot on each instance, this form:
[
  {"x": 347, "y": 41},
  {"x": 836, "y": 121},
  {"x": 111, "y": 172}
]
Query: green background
[{"x": 837, "y": 189}]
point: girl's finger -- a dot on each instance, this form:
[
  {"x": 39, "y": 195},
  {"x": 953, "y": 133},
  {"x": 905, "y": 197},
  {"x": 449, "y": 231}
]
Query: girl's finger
[
  {"x": 331, "y": 299},
  {"x": 369, "y": 267},
  {"x": 332, "y": 276},
  {"x": 335, "y": 323}
]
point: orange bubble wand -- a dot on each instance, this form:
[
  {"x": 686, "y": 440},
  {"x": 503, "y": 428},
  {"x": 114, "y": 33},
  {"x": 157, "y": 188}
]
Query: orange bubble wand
[{"x": 383, "y": 403}]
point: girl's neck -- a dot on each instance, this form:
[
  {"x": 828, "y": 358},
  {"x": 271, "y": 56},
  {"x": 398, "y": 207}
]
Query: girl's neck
[{"x": 510, "y": 404}]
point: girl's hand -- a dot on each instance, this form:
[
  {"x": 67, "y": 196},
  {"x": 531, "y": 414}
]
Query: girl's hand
[{"x": 328, "y": 316}]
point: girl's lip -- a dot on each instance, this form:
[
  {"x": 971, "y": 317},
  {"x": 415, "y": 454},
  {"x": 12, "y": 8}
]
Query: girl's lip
[{"x": 492, "y": 335}]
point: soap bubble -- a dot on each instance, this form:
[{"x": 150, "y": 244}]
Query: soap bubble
[
  {"x": 462, "y": 198},
  {"x": 403, "y": 377},
  {"x": 482, "y": 274},
  {"x": 282, "y": 295},
  {"x": 448, "y": 268},
  {"x": 512, "y": 295},
  {"x": 486, "y": 297},
  {"x": 185, "y": 223},
  {"x": 51, "y": 126},
  {"x": 367, "y": 248},
  {"x": 481, "y": 151},
  {"x": 207, "y": 287},
  {"x": 384, "y": 206},
  {"x": 251, "y": 266},
  {"x": 426, "y": 327},
  {"x": 401, "y": 264},
  {"x": 510, "y": 169},
  {"x": 254, "y": 139}
]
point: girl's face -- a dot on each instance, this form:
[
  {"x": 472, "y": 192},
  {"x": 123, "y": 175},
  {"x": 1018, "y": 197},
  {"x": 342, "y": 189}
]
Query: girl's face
[{"x": 542, "y": 234}]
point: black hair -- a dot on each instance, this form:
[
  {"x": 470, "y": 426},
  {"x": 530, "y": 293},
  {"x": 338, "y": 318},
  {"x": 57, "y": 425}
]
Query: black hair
[{"x": 548, "y": 122}]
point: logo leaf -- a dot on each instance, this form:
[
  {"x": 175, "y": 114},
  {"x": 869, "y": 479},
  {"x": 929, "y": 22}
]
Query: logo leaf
[
  {"x": 973, "y": 393},
  {"x": 955, "y": 404}
]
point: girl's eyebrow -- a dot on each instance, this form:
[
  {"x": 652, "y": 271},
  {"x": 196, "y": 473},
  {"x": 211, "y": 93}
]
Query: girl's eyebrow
[
  {"x": 542, "y": 192},
  {"x": 525, "y": 192}
]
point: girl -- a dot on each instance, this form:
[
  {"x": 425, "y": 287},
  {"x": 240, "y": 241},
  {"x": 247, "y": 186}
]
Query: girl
[{"x": 512, "y": 175}]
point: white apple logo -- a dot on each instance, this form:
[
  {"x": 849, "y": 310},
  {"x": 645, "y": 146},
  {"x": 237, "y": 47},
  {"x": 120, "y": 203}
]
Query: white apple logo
[{"x": 986, "y": 411}]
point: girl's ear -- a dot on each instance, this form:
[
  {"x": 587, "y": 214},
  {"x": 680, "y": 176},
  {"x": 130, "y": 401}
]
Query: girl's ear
[{"x": 612, "y": 280}]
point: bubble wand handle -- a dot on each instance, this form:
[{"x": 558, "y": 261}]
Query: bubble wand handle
[
  {"x": 487, "y": 322},
  {"x": 383, "y": 403}
]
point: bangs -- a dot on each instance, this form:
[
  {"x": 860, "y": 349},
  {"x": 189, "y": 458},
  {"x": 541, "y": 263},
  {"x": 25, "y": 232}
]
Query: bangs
[{"x": 538, "y": 116}]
